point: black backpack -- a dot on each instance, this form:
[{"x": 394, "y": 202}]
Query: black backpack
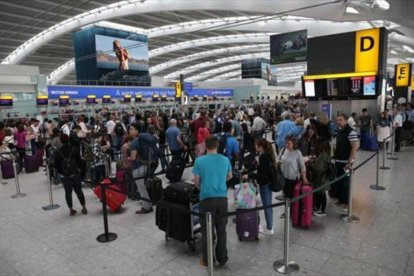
[
  {"x": 69, "y": 165},
  {"x": 331, "y": 172},
  {"x": 119, "y": 130}
]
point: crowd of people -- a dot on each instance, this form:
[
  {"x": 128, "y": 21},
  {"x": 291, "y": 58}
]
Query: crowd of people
[{"x": 225, "y": 145}]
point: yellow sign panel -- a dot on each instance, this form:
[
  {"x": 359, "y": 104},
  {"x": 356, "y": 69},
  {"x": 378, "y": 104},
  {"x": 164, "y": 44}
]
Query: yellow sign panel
[
  {"x": 367, "y": 50},
  {"x": 336, "y": 76},
  {"x": 412, "y": 83},
  {"x": 178, "y": 89},
  {"x": 402, "y": 75}
]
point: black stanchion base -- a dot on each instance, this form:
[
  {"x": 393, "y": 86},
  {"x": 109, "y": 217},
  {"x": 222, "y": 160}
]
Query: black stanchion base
[
  {"x": 392, "y": 158},
  {"x": 18, "y": 195},
  {"x": 107, "y": 237},
  {"x": 50, "y": 207},
  {"x": 280, "y": 267},
  {"x": 377, "y": 188},
  {"x": 385, "y": 168}
]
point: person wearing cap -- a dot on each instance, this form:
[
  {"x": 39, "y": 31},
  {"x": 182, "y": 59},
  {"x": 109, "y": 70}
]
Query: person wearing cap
[{"x": 70, "y": 182}]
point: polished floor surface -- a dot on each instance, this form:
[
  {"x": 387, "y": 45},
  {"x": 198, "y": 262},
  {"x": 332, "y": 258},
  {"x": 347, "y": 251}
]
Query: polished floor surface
[{"x": 38, "y": 242}]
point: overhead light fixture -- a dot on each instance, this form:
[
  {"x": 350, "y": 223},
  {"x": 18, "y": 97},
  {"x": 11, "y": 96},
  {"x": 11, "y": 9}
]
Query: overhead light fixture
[
  {"x": 383, "y": 4},
  {"x": 408, "y": 49},
  {"x": 351, "y": 10}
]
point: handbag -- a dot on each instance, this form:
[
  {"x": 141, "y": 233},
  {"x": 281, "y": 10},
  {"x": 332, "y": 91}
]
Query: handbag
[
  {"x": 245, "y": 195},
  {"x": 277, "y": 179}
]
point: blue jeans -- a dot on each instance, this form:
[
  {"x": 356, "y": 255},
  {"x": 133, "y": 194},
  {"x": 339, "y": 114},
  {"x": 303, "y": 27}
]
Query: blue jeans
[
  {"x": 162, "y": 151},
  {"x": 266, "y": 196}
]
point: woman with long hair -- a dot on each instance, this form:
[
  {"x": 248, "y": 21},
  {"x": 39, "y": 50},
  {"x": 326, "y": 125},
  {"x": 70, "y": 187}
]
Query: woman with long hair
[
  {"x": 267, "y": 162},
  {"x": 307, "y": 142},
  {"x": 122, "y": 55}
]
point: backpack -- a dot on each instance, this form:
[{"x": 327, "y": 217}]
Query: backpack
[
  {"x": 119, "y": 130},
  {"x": 147, "y": 149},
  {"x": 331, "y": 172},
  {"x": 222, "y": 144},
  {"x": 69, "y": 165}
]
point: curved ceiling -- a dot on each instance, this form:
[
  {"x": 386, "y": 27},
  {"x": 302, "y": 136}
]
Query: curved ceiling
[{"x": 183, "y": 37}]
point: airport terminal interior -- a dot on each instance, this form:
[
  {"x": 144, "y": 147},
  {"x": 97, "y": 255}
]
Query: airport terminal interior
[{"x": 206, "y": 137}]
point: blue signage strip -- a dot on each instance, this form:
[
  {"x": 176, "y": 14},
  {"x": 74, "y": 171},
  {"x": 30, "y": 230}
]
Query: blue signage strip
[
  {"x": 81, "y": 92},
  {"x": 188, "y": 87}
]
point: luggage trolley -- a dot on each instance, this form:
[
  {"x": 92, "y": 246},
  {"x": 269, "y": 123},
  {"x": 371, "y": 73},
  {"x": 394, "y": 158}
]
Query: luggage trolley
[{"x": 172, "y": 215}]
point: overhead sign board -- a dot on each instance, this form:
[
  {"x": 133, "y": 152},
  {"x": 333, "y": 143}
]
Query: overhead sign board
[
  {"x": 402, "y": 75},
  {"x": 367, "y": 46}
]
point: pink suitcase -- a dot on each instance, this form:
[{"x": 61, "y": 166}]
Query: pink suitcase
[{"x": 302, "y": 210}]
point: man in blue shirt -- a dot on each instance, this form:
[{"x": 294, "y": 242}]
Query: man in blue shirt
[
  {"x": 139, "y": 170},
  {"x": 211, "y": 172},
  {"x": 173, "y": 137},
  {"x": 231, "y": 149},
  {"x": 283, "y": 129}
]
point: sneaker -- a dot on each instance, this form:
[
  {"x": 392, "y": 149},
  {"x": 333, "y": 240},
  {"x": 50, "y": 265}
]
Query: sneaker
[
  {"x": 319, "y": 213},
  {"x": 144, "y": 211},
  {"x": 266, "y": 231},
  {"x": 84, "y": 211},
  {"x": 345, "y": 208},
  {"x": 223, "y": 263}
]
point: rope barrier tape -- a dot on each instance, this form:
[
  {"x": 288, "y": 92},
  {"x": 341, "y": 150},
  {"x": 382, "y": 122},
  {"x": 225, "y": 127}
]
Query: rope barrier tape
[
  {"x": 160, "y": 173},
  {"x": 319, "y": 188},
  {"x": 366, "y": 161}
]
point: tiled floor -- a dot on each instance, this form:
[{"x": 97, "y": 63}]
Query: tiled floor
[{"x": 37, "y": 242}]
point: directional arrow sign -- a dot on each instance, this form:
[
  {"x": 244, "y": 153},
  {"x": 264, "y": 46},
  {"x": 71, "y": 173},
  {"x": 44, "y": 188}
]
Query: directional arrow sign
[{"x": 403, "y": 74}]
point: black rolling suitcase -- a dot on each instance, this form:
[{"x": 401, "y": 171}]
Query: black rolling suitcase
[
  {"x": 181, "y": 192},
  {"x": 175, "y": 169},
  {"x": 154, "y": 189}
]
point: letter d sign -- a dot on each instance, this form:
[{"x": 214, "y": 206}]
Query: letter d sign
[{"x": 367, "y": 50}]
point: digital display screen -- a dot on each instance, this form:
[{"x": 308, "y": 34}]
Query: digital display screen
[
  {"x": 6, "y": 101},
  {"x": 309, "y": 88},
  {"x": 356, "y": 85},
  {"x": 155, "y": 98},
  {"x": 127, "y": 99},
  {"x": 138, "y": 99},
  {"x": 369, "y": 86},
  {"x": 42, "y": 101},
  {"x": 106, "y": 100},
  {"x": 91, "y": 100},
  {"x": 64, "y": 101}
]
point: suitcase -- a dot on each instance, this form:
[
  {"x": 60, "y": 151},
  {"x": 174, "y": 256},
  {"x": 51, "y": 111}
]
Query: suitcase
[
  {"x": 154, "y": 189},
  {"x": 364, "y": 141},
  {"x": 120, "y": 181},
  {"x": 7, "y": 170},
  {"x": 247, "y": 225},
  {"x": 31, "y": 163},
  {"x": 175, "y": 169},
  {"x": 181, "y": 192},
  {"x": 302, "y": 210},
  {"x": 39, "y": 155},
  {"x": 175, "y": 224},
  {"x": 114, "y": 199},
  {"x": 372, "y": 144}
]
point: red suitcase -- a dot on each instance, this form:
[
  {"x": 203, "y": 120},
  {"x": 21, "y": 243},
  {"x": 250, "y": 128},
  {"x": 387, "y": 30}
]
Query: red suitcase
[
  {"x": 114, "y": 199},
  {"x": 302, "y": 210}
]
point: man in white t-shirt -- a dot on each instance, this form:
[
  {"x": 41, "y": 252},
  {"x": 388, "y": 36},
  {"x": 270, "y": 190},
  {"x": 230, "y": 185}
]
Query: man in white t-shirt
[
  {"x": 110, "y": 125},
  {"x": 258, "y": 127},
  {"x": 397, "y": 124},
  {"x": 351, "y": 120}
]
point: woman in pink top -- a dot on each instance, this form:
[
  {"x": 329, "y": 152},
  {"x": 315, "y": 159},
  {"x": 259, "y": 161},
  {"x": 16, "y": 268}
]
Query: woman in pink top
[
  {"x": 20, "y": 138},
  {"x": 203, "y": 133}
]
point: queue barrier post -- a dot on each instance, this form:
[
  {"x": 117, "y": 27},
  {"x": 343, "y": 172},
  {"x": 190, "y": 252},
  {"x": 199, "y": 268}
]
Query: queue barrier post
[
  {"x": 51, "y": 205},
  {"x": 106, "y": 236},
  {"x": 393, "y": 157},
  {"x": 16, "y": 180},
  {"x": 376, "y": 186},
  {"x": 210, "y": 245},
  {"x": 384, "y": 151},
  {"x": 349, "y": 217},
  {"x": 284, "y": 266}
]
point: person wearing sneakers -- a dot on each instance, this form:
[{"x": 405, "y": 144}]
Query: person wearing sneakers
[
  {"x": 267, "y": 162},
  {"x": 347, "y": 144},
  {"x": 68, "y": 165},
  {"x": 211, "y": 171}
]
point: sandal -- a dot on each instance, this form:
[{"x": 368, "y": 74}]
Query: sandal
[{"x": 72, "y": 213}]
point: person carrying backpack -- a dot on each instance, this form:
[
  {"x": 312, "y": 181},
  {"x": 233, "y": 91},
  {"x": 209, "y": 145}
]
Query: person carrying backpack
[
  {"x": 118, "y": 135},
  {"x": 68, "y": 165},
  {"x": 228, "y": 144}
]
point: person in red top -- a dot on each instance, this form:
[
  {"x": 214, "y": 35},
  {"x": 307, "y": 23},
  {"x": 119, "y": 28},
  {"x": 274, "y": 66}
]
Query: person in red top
[
  {"x": 203, "y": 133},
  {"x": 1, "y": 131},
  {"x": 20, "y": 138}
]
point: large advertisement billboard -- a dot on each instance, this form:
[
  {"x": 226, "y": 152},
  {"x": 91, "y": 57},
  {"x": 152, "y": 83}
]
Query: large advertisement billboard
[
  {"x": 103, "y": 54},
  {"x": 288, "y": 47}
]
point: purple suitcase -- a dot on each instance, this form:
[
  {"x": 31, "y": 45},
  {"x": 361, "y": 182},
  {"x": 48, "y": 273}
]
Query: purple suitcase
[
  {"x": 31, "y": 163},
  {"x": 247, "y": 226},
  {"x": 7, "y": 169}
]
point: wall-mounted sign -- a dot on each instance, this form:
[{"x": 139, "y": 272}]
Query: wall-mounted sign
[
  {"x": 402, "y": 75},
  {"x": 91, "y": 99},
  {"x": 106, "y": 99},
  {"x": 6, "y": 101},
  {"x": 64, "y": 100},
  {"x": 42, "y": 101}
]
